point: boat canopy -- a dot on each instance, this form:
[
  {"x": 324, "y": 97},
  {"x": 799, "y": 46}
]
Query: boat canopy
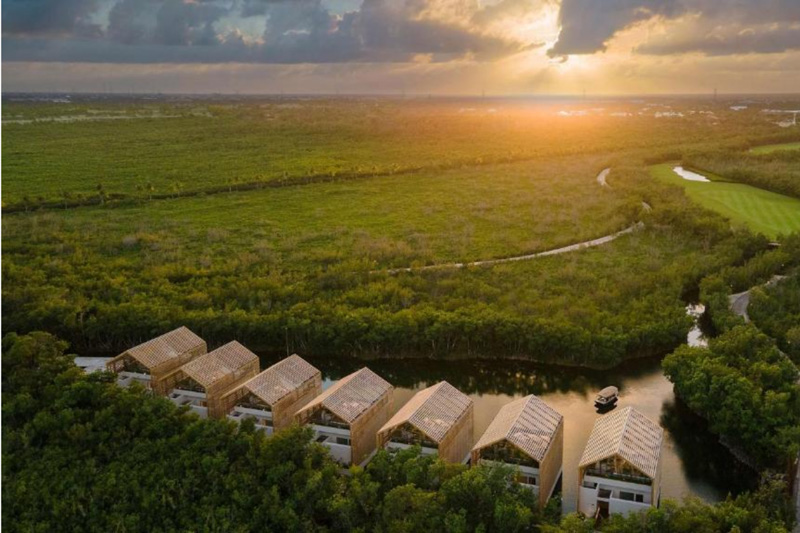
[{"x": 608, "y": 392}]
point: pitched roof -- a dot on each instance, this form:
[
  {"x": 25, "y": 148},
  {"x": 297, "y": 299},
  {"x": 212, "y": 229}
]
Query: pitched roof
[
  {"x": 224, "y": 361},
  {"x": 281, "y": 378},
  {"x": 628, "y": 434},
  {"x": 528, "y": 423},
  {"x": 165, "y": 347},
  {"x": 434, "y": 411},
  {"x": 352, "y": 395}
]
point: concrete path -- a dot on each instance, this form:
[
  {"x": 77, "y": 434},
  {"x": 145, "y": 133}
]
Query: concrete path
[
  {"x": 739, "y": 303},
  {"x": 488, "y": 262},
  {"x": 741, "y": 300}
]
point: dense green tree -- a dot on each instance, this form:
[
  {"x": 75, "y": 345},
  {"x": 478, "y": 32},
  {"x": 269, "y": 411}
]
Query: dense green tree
[
  {"x": 80, "y": 453},
  {"x": 746, "y": 388}
]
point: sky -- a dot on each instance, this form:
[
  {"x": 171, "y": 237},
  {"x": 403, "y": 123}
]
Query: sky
[{"x": 458, "y": 47}]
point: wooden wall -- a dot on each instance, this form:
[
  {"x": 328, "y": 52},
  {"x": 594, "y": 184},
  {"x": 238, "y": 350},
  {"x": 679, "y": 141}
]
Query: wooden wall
[
  {"x": 159, "y": 376},
  {"x": 160, "y": 373},
  {"x": 458, "y": 442},
  {"x": 222, "y": 395},
  {"x": 284, "y": 409},
  {"x": 550, "y": 465},
  {"x": 364, "y": 429}
]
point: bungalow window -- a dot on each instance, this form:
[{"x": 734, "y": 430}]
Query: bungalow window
[
  {"x": 132, "y": 365},
  {"x": 190, "y": 385},
  {"x": 408, "y": 434},
  {"x": 322, "y": 417}
]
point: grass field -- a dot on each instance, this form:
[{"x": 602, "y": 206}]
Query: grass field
[
  {"x": 456, "y": 215},
  {"x": 762, "y": 211},
  {"x": 206, "y": 145},
  {"x": 294, "y": 267},
  {"x": 290, "y": 266},
  {"x": 769, "y": 148}
]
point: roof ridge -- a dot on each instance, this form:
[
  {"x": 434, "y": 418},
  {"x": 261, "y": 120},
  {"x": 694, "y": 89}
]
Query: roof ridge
[
  {"x": 628, "y": 410},
  {"x": 525, "y": 401}
]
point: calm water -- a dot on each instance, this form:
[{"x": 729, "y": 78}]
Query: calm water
[{"x": 693, "y": 460}]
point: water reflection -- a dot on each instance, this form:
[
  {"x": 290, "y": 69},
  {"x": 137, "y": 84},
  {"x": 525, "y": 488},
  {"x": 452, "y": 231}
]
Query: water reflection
[
  {"x": 693, "y": 461},
  {"x": 697, "y": 336}
]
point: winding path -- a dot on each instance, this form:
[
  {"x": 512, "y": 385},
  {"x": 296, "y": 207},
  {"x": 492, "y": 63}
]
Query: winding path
[
  {"x": 741, "y": 300},
  {"x": 488, "y": 262}
]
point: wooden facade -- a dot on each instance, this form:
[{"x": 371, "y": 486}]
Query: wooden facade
[
  {"x": 623, "y": 454},
  {"x": 438, "y": 418},
  {"x": 529, "y": 434},
  {"x": 216, "y": 374},
  {"x": 159, "y": 357},
  {"x": 359, "y": 404},
  {"x": 281, "y": 390}
]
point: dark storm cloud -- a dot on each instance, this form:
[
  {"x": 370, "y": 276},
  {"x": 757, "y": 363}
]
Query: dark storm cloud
[
  {"x": 158, "y": 22},
  {"x": 721, "y": 27},
  {"x": 586, "y": 25},
  {"x": 295, "y": 31},
  {"x": 50, "y": 17}
]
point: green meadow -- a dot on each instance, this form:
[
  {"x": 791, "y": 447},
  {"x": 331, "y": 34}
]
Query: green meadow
[
  {"x": 770, "y": 148},
  {"x": 170, "y": 238},
  {"x": 178, "y": 149},
  {"x": 424, "y": 218},
  {"x": 761, "y": 211}
]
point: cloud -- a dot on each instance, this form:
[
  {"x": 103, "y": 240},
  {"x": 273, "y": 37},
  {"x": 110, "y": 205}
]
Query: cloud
[
  {"x": 717, "y": 27},
  {"x": 164, "y": 22},
  {"x": 294, "y": 31},
  {"x": 726, "y": 40},
  {"x": 587, "y": 25},
  {"x": 50, "y": 17}
]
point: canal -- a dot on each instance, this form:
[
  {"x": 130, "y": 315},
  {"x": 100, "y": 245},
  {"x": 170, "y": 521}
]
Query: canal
[{"x": 693, "y": 461}]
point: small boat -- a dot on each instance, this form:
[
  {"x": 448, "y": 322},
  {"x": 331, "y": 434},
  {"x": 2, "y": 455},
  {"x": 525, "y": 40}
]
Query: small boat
[{"x": 606, "y": 397}]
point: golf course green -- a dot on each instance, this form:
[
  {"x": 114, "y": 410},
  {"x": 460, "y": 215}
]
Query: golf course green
[
  {"x": 769, "y": 148},
  {"x": 762, "y": 211}
]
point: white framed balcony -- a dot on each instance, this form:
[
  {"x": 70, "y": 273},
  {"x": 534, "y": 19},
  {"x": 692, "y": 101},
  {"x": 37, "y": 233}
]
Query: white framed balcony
[
  {"x": 618, "y": 497},
  {"x": 262, "y": 418},
  {"x": 397, "y": 446},
  {"x": 337, "y": 440},
  {"x": 196, "y": 401},
  {"x": 125, "y": 379}
]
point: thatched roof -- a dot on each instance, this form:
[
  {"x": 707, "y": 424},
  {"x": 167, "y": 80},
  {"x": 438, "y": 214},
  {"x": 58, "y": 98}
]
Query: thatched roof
[
  {"x": 628, "y": 434},
  {"x": 528, "y": 423},
  {"x": 434, "y": 411},
  {"x": 165, "y": 347},
  {"x": 224, "y": 361},
  {"x": 352, "y": 395},
  {"x": 281, "y": 379}
]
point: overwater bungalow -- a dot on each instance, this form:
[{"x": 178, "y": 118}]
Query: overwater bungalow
[
  {"x": 439, "y": 419},
  {"x": 620, "y": 470},
  {"x": 204, "y": 383},
  {"x": 346, "y": 417},
  {"x": 274, "y": 396},
  {"x": 149, "y": 362},
  {"x": 528, "y": 435}
]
